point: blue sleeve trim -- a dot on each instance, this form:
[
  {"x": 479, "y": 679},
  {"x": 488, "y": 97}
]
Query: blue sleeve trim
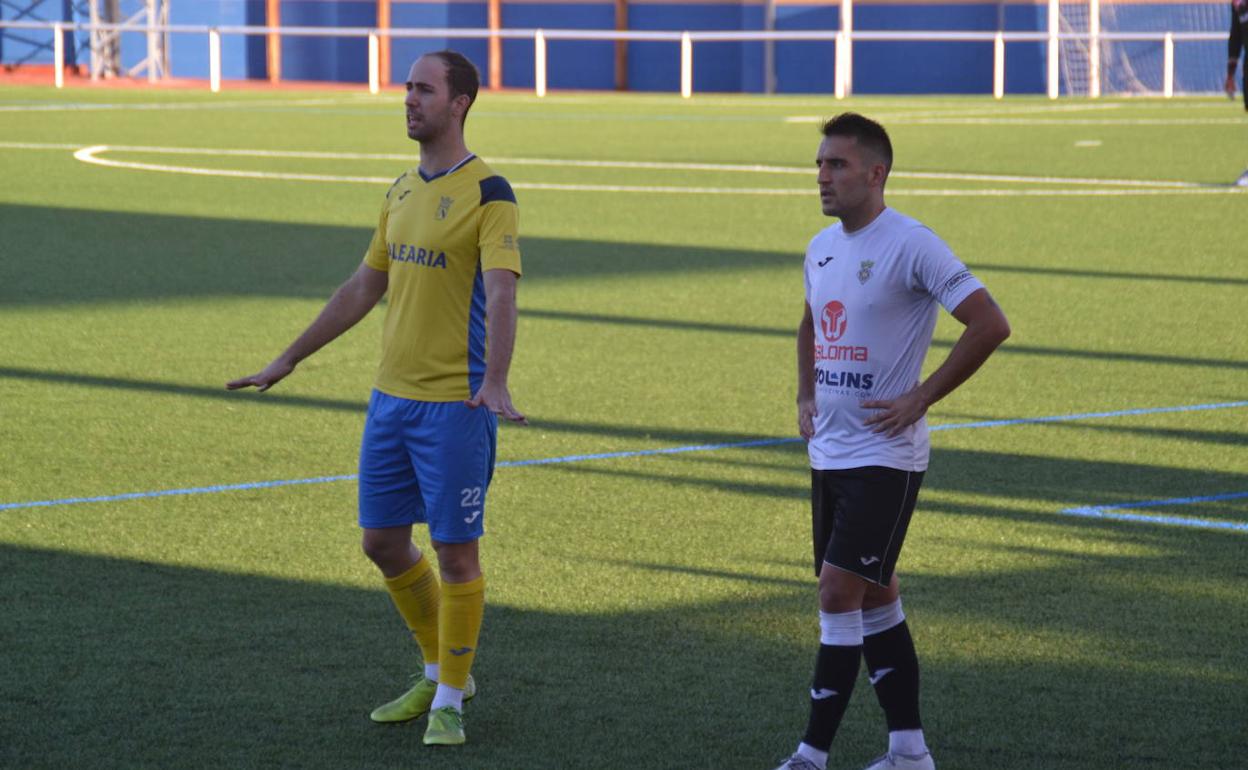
[
  {"x": 495, "y": 188},
  {"x": 395, "y": 184}
]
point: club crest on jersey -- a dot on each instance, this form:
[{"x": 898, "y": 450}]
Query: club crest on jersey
[
  {"x": 444, "y": 206},
  {"x": 864, "y": 270}
]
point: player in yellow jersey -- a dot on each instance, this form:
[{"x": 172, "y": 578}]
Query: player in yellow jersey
[{"x": 447, "y": 250}]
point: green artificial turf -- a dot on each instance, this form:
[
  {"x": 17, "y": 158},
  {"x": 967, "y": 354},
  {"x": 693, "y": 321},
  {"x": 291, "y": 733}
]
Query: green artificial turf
[{"x": 651, "y": 611}]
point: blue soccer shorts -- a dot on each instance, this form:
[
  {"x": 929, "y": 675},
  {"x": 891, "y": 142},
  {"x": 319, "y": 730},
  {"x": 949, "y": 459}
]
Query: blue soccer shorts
[{"x": 425, "y": 462}]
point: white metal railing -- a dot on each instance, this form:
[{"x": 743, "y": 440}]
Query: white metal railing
[{"x": 842, "y": 41}]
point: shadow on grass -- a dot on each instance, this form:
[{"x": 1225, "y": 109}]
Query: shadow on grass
[
  {"x": 77, "y": 255},
  {"x": 1070, "y": 272},
  {"x": 120, "y": 663},
  {"x": 1010, "y": 348},
  {"x": 80, "y": 255},
  {"x": 1238, "y": 439},
  {"x": 1045, "y": 484}
]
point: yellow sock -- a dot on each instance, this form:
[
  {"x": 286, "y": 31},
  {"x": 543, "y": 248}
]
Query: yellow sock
[
  {"x": 463, "y": 605},
  {"x": 416, "y": 597}
]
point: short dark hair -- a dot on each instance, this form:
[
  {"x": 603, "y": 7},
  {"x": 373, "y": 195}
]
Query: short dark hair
[
  {"x": 868, "y": 133},
  {"x": 461, "y": 75}
]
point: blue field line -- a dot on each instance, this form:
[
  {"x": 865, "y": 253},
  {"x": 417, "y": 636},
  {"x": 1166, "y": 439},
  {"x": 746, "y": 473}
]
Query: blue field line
[
  {"x": 611, "y": 455},
  {"x": 175, "y": 492},
  {"x": 1092, "y": 415},
  {"x": 647, "y": 452},
  {"x": 1113, "y": 512}
]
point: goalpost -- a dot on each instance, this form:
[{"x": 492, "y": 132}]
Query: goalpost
[{"x": 1097, "y": 56}]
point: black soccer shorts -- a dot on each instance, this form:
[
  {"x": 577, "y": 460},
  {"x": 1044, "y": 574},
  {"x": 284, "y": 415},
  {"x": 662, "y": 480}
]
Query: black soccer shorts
[{"x": 859, "y": 517}]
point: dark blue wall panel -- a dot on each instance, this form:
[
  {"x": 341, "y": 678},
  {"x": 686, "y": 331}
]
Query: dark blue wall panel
[
  {"x": 576, "y": 64},
  {"x": 343, "y": 59},
  {"x": 716, "y": 66},
  {"x": 801, "y": 67},
  {"x": 404, "y": 51}
]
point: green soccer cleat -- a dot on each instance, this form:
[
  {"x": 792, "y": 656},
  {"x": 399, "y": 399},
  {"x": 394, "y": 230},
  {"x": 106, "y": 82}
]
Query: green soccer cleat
[
  {"x": 446, "y": 728},
  {"x": 415, "y": 702}
]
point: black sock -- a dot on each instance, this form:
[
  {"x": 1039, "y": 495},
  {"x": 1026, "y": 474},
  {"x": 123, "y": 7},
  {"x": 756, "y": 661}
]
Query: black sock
[
  {"x": 893, "y": 668},
  {"x": 836, "y": 670}
]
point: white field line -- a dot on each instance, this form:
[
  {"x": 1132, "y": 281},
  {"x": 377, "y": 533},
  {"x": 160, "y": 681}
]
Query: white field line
[
  {"x": 969, "y": 121},
  {"x": 88, "y": 155},
  {"x": 37, "y": 146},
  {"x": 939, "y": 114},
  {"x": 1008, "y": 193},
  {"x": 1230, "y": 121},
  {"x": 208, "y": 105},
  {"x": 620, "y": 164},
  {"x": 1138, "y": 187},
  {"x": 955, "y": 112}
]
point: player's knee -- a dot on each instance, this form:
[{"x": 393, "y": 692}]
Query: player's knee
[
  {"x": 458, "y": 562},
  {"x": 879, "y": 596},
  {"x": 385, "y": 552},
  {"x": 840, "y": 591}
]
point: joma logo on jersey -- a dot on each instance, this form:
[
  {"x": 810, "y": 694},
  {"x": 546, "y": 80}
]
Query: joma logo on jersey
[
  {"x": 405, "y": 252},
  {"x": 833, "y": 320},
  {"x": 840, "y": 352}
]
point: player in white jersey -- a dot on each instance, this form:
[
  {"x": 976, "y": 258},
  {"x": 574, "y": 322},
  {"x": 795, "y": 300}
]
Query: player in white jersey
[{"x": 873, "y": 284}]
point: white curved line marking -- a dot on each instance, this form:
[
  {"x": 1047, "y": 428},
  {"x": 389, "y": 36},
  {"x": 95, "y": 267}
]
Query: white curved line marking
[
  {"x": 88, "y": 155},
  {"x": 1139, "y": 187},
  {"x": 627, "y": 164}
]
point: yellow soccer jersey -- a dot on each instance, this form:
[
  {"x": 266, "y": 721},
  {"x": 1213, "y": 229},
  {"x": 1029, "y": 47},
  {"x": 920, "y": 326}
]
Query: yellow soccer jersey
[{"x": 435, "y": 237}]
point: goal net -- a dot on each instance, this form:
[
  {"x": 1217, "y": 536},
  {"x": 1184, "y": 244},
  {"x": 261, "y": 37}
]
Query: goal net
[{"x": 1138, "y": 66}]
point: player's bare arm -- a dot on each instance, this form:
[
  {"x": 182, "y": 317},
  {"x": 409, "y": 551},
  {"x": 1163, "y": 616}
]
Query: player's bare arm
[
  {"x": 351, "y": 302},
  {"x": 806, "y": 410},
  {"x": 986, "y": 328},
  {"x": 500, "y": 314}
]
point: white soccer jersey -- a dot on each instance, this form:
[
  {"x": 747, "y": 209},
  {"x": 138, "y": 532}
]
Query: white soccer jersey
[{"x": 873, "y": 294}]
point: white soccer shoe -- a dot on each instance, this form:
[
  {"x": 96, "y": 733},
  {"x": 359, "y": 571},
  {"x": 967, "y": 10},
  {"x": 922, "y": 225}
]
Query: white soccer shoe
[
  {"x": 798, "y": 762},
  {"x": 892, "y": 761},
  {"x": 1243, "y": 180}
]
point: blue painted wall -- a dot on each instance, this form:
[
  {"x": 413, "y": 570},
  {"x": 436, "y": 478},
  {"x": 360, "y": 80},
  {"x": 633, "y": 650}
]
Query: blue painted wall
[
  {"x": 801, "y": 67},
  {"x": 242, "y": 57},
  {"x": 32, "y": 46},
  {"x": 806, "y": 67},
  {"x": 403, "y": 51}
]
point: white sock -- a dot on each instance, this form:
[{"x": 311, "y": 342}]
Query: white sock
[
  {"x": 880, "y": 619},
  {"x": 447, "y": 696},
  {"x": 820, "y": 758},
  {"x": 431, "y": 672},
  {"x": 843, "y": 629},
  {"x": 908, "y": 742}
]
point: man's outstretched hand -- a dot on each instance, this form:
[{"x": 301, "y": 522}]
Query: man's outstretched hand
[{"x": 265, "y": 379}]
